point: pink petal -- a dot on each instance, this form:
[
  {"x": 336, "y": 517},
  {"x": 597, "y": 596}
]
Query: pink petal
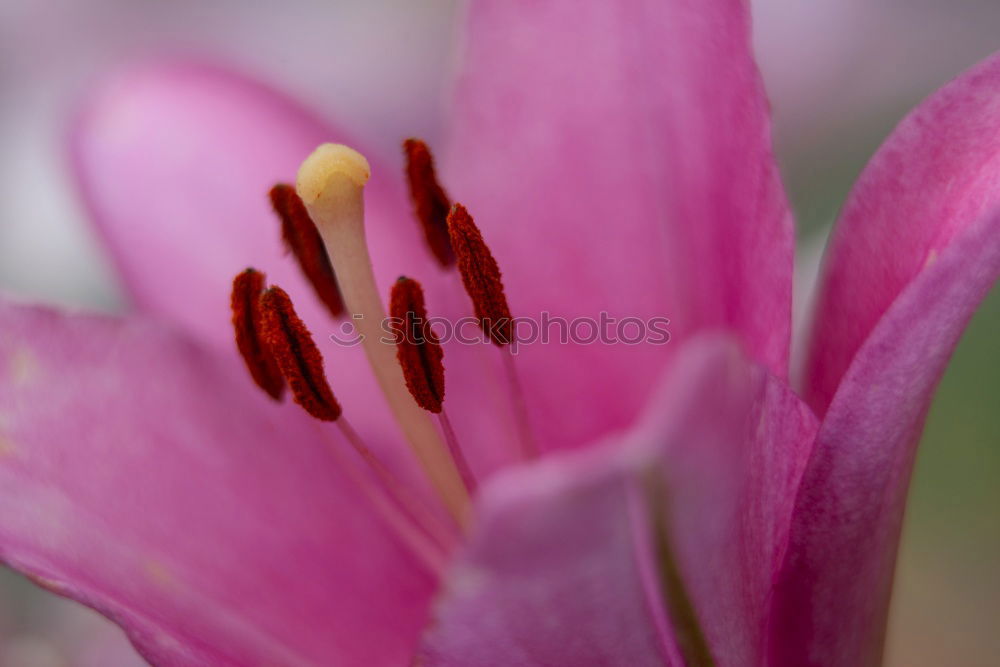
[
  {"x": 551, "y": 577},
  {"x": 731, "y": 502},
  {"x": 749, "y": 549},
  {"x": 175, "y": 161},
  {"x": 934, "y": 177},
  {"x": 618, "y": 159},
  {"x": 142, "y": 477},
  {"x": 833, "y": 593},
  {"x": 562, "y": 567}
]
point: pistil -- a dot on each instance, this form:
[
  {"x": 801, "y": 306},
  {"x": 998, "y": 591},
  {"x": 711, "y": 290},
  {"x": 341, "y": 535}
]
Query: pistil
[{"x": 331, "y": 185}]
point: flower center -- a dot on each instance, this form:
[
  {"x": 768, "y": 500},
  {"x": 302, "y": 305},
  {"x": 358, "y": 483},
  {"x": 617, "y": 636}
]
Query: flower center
[{"x": 322, "y": 221}]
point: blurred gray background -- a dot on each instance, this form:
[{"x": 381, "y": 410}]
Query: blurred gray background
[{"x": 841, "y": 73}]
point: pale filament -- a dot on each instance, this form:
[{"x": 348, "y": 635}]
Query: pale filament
[
  {"x": 398, "y": 491},
  {"x": 519, "y": 405},
  {"x": 428, "y": 551},
  {"x": 456, "y": 451}
]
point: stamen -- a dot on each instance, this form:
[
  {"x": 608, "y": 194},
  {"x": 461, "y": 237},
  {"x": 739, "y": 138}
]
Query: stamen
[
  {"x": 417, "y": 347},
  {"x": 481, "y": 277},
  {"x": 519, "y": 405},
  {"x": 399, "y": 492},
  {"x": 420, "y": 356},
  {"x": 303, "y": 240},
  {"x": 456, "y": 452},
  {"x": 245, "y": 301},
  {"x": 426, "y": 547},
  {"x": 331, "y": 184},
  {"x": 430, "y": 202},
  {"x": 298, "y": 357},
  {"x": 276, "y": 345}
]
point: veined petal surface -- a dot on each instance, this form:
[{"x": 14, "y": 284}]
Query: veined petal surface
[
  {"x": 141, "y": 476},
  {"x": 617, "y": 157}
]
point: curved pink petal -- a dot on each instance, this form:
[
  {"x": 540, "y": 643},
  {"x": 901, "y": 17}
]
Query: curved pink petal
[
  {"x": 934, "y": 177},
  {"x": 768, "y": 469},
  {"x": 731, "y": 502},
  {"x": 552, "y": 576},
  {"x": 564, "y": 565},
  {"x": 141, "y": 476},
  {"x": 175, "y": 161},
  {"x": 617, "y": 157},
  {"x": 832, "y": 597}
]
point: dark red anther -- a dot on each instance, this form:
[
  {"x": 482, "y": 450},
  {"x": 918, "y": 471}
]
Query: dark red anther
[
  {"x": 303, "y": 240},
  {"x": 481, "y": 277},
  {"x": 298, "y": 357},
  {"x": 245, "y": 301},
  {"x": 417, "y": 347},
  {"x": 430, "y": 202}
]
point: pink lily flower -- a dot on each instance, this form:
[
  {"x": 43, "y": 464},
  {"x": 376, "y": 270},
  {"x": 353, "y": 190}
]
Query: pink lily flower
[{"x": 689, "y": 507}]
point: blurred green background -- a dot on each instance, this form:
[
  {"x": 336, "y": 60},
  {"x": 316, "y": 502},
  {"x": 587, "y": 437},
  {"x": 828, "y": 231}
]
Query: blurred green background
[{"x": 841, "y": 73}]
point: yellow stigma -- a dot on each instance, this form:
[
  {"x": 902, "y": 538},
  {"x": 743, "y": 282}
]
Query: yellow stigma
[{"x": 328, "y": 164}]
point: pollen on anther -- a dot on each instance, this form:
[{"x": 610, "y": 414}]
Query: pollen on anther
[
  {"x": 430, "y": 202},
  {"x": 304, "y": 241},
  {"x": 298, "y": 357},
  {"x": 417, "y": 347},
  {"x": 247, "y": 288},
  {"x": 481, "y": 277}
]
